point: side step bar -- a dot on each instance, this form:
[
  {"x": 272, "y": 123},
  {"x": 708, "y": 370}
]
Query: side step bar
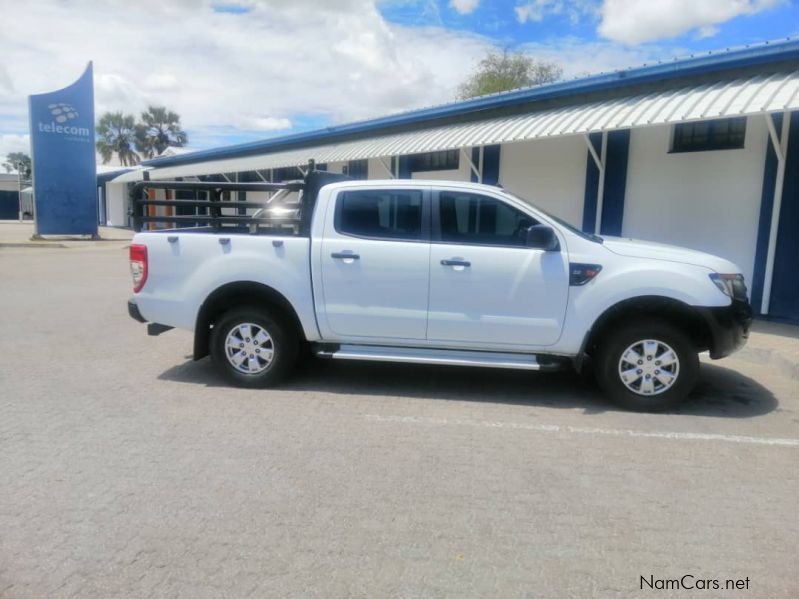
[{"x": 448, "y": 357}]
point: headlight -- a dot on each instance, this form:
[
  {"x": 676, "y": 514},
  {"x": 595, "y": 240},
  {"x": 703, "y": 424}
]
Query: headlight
[{"x": 730, "y": 285}]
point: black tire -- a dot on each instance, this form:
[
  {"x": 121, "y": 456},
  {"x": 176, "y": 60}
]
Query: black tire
[
  {"x": 608, "y": 366},
  {"x": 284, "y": 344}
]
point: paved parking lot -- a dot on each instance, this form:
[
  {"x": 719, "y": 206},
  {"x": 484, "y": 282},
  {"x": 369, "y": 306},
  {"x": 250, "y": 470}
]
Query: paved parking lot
[{"x": 127, "y": 470}]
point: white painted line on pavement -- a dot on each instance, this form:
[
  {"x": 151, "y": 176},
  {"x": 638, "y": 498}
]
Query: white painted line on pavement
[{"x": 614, "y": 432}]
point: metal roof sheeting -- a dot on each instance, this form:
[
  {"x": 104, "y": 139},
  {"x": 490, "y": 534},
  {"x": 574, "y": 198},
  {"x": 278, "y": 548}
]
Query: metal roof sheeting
[{"x": 737, "y": 97}]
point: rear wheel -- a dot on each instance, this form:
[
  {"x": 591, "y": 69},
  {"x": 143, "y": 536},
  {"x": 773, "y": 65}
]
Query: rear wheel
[
  {"x": 252, "y": 348},
  {"x": 647, "y": 366}
]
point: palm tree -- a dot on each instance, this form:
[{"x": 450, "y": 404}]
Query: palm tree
[
  {"x": 159, "y": 128},
  {"x": 117, "y": 136}
]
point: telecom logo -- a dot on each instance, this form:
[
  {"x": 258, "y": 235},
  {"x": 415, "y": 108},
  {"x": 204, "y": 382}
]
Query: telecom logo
[{"x": 62, "y": 113}]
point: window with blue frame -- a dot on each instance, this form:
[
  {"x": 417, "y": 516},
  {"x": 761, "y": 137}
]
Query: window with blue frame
[
  {"x": 704, "y": 136},
  {"x": 357, "y": 169}
]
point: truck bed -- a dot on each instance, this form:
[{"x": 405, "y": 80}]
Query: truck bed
[{"x": 186, "y": 265}]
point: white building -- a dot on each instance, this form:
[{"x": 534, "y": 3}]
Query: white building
[{"x": 699, "y": 152}]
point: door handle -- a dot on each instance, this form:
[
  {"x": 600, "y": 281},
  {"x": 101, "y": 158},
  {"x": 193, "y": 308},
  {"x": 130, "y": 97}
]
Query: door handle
[
  {"x": 455, "y": 262},
  {"x": 345, "y": 256}
]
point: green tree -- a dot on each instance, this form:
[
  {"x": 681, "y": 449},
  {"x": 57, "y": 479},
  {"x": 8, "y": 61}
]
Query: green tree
[
  {"x": 159, "y": 128},
  {"x": 18, "y": 161},
  {"x": 117, "y": 134},
  {"x": 502, "y": 71}
]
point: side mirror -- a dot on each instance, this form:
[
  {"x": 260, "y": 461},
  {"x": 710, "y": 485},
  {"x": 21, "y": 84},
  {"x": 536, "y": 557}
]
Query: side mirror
[{"x": 542, "y": 237}]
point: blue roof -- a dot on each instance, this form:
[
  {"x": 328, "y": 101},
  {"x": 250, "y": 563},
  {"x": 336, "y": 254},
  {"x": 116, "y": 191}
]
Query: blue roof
[{"x": 696, "y": 64}]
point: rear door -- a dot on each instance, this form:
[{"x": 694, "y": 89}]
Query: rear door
[
  {"x": 486, "y": 286},
  {"x": 375, "y": 264}
]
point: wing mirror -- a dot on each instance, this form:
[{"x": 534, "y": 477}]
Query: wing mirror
[{"x": 542, "y": 237}]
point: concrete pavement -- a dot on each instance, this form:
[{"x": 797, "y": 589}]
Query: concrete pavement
[{"x": 127, "y": 470}]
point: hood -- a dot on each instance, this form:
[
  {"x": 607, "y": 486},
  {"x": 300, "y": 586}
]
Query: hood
[{"x": 661, "y": 251}]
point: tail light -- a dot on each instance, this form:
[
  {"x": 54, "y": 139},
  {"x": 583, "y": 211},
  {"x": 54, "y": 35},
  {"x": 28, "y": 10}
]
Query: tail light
[{"x": 138, "y": 265}]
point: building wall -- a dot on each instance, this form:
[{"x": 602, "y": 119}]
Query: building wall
[
  {"x": 377, "y": 170},
  {"x": 708, "y": 201},
  {"x": 549, "y": 173}
]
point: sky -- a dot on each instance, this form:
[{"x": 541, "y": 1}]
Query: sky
[{"x": 241, "y": 70}]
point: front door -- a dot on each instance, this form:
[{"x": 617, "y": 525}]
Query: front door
[
  {"x": 486, "y": 286},
  {"x": 375, "y": 264}
]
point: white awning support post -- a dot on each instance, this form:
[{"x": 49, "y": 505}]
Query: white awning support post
[
  {"x": 780, "y": 145},
  {"x": 387, "y": 167},
  {"x": 477, "y": 172},
  {"x": 599, "y": 160}
]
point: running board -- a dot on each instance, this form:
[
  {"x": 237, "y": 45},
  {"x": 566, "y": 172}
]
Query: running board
[{"x": 448, "y": 357}]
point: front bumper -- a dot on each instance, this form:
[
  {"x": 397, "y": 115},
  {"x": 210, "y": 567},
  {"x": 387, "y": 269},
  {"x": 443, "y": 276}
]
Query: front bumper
[{"x": 729, "y": 327}]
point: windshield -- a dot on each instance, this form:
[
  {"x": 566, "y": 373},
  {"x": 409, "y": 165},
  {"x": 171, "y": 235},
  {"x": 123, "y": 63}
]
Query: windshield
[{"x": 560, "y": 221}]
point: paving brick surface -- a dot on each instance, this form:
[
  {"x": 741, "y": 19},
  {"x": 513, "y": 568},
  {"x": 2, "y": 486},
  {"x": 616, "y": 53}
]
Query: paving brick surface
[{"x": 127, "y": 470}]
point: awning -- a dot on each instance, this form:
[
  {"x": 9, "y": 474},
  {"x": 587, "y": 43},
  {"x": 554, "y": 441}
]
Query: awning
[
  {"x": 130, "y": 176},
  {"x": 739, "y": 97}
]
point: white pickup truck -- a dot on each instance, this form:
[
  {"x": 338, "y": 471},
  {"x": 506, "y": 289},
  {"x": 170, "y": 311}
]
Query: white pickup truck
[{"x": 430, "y": 272}]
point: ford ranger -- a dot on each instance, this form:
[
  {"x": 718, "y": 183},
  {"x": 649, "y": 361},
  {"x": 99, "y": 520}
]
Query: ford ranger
[{"x": 427, "y": 272}]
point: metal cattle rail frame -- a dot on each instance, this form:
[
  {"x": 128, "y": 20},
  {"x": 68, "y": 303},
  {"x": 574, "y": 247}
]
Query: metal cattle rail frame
[{"x": 268, "y": 216}]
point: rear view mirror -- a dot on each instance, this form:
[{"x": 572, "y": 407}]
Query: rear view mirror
[{"x": 542, "y": 237}]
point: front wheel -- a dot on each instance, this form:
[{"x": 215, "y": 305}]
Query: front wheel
[
  {"x": 251, "y": 348},
  {"x": 647, "y": 366}
]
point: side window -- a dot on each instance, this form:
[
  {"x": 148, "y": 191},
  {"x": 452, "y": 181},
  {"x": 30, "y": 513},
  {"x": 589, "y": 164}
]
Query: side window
[
  {"x": 383, "y": 214},
  {"x": 477, "y": 219},
  {"x": 703, "y": 136}
]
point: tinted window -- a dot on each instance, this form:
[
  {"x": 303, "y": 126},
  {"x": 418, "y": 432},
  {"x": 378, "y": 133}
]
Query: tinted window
[
  {"x": 472, "y": 218},
  {"x": 357, "y": 169},
  {"x": 388, "y": 214},
  {"x": 434, "y": 161},
  {"x": 289, "y": 173},
  {"x": 702, "y": 136}
]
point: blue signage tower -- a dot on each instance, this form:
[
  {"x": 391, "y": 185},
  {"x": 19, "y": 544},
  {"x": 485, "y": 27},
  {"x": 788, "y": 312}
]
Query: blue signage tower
[{"x": 64, "y": 167}]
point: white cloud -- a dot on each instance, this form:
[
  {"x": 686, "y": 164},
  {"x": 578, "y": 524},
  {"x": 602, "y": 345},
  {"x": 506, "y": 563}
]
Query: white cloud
[
  {"x": 464, "y": 7},
  {"x": 162, "y": 82},
  {"x": 636, "y": 21},
  {"x": 707, "y": 31},
  {"x": 14, "y": 143},
  {"x": 579, "y": 58},
  {"x": 267, "y": 123},
  {"x": 537, "y": 10},
  {"x": 333, "y": 61}
]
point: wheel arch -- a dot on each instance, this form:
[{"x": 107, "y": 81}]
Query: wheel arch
[
  {"x": 240, "y": 293},
  {"x": 686, "y": 317}
]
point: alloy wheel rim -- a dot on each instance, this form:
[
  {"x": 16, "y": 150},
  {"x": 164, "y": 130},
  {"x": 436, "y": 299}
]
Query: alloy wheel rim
[
  {"x": 249, "y": 348},
  {"x": 649, "y": 367}
]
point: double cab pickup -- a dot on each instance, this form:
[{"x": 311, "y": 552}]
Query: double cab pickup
[{"x": 428, "y": 272}]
